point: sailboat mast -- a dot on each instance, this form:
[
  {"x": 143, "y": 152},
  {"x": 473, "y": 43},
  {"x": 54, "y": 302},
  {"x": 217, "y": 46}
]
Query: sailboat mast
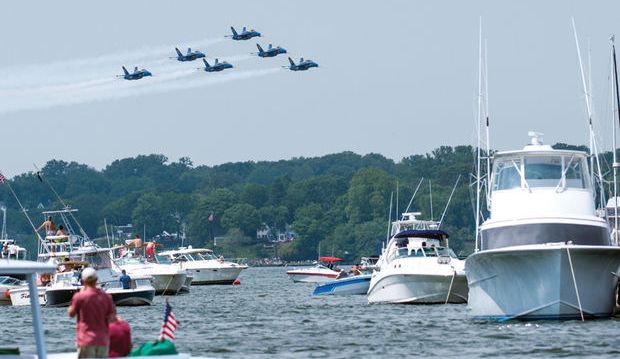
[{"x": 616, "y": 110}]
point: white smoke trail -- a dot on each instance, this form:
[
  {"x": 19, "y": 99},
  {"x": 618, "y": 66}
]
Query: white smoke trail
[
  {"x": 93, "y": 67},
  {"x": 107, "y": 89}
]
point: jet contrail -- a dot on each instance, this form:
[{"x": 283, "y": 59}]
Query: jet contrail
[
  {"x": 106, "y": 89},
  {"x": 92, "y": 67}
]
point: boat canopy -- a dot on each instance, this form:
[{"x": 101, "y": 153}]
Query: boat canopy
[
  {"x": 428, "y": 233},
  {"x": 185, "y": 251},
  {"x": 329, "y": 259}
]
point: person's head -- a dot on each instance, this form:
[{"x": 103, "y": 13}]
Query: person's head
[
  {"x": 89, "y": 277},
  {"x": 137, "y": 236},
  {"x": 123, "y": 271},
  {"x": 49, "y": 218},
  {"x": 61, "y": 227}
]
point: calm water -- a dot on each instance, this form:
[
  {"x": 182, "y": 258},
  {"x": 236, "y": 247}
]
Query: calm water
[{"x": 269, "y": 316}]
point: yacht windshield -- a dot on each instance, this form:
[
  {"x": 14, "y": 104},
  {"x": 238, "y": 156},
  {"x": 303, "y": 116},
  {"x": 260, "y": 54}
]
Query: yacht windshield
[
  {"x": 207, "y": 256},
  {"x": 538, "y": 171}
]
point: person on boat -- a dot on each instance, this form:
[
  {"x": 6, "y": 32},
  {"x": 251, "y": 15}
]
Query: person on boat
[
  {"x": 49, "y": 225},
  {"x": 120, "y": 338},
  {"x": 61, "y": 232},
  {"x": 342, "y": 274},
  {"x": 135, "y": 243},
  {"x": 149, "y": 250},
  {"x": 125, "y": 280},
  {"x": 94, "y": 309},
  {"x": 5, "y": 249},
  {"x": 355, "y": 270}
]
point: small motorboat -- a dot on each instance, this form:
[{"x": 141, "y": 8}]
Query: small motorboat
[
  {"x": 324, "y": 271},
  {"x": 63, "y": 287},
  {"x": 141, "y": 292},
  {"x": 6, "y": 285},
  {"x": 354, "y": 285}
]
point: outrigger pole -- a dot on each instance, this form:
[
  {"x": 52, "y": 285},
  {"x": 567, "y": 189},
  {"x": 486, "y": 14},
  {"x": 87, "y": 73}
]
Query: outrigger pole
[
  {"x": 34, "y": 229},
  {"x": 615, "y": 110}
]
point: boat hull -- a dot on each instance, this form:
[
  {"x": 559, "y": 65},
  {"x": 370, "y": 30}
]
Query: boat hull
[
  {"x": 132, "y": 297},
  {"x": 412, "y": 288},
  {"x": 21, "y": 296},
  {"x": 168, "y": 283},
  {"x": 209, "y": 276},
  {"x": 536, "y": 282},
  {"x": 357, "y": 285},
  {"x": 60, "y": 297}
]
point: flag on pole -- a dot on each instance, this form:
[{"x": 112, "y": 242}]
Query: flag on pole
[
  {"x": 2, "y": 178},
  {"x": 169, "y": 325}
]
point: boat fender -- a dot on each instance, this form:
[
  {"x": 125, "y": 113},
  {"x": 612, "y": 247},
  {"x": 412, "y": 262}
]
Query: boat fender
[
  {"x": 236, "y": 282},
  {"x": 7, "y": 294}
]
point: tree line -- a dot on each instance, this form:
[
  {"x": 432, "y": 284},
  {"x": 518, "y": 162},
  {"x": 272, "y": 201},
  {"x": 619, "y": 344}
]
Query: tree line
[{"x": 338, "y": 202}]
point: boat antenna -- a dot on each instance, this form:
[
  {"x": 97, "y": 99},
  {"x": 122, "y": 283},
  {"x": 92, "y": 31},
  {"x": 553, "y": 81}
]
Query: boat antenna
[
  {"x": 414, "y": 193},
  {"x": 594, "y": 159},
  {"x": 3, "y": 233},
  {"x": 616, "y": 110},
  {"x": 64, "y": 204},
  {"x": 107, "y": 237},
  {"x": 387, "y": 237},
  {"x": 397, "y": 213},
  {"x": 479, "y": 118},
  {"x": 430, "y": 196},
  {"x": 6, "y": 182},
  {"x": 449, "y": 199}
]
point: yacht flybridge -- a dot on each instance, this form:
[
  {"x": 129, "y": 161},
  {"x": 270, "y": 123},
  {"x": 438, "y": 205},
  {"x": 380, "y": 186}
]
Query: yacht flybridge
[
  {"x": 543, "y": 253},
  {"x": 417, "y": 266}
]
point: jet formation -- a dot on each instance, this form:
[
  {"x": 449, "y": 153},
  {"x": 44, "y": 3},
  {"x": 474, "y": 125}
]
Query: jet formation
[{"x": 217, "y": 66}]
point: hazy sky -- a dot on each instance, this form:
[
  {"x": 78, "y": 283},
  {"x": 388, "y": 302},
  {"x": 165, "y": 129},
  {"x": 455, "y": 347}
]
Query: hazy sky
[{"x": 396, "y": 78}]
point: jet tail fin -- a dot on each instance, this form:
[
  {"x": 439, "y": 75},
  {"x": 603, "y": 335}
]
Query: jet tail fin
[
  {"x": 206, "y": 63},
  {"x": 291, "y": 61},
  {"x": 178, "y": 52},
  {"x": 125, "y": 70},
  {"x": 233, "y": 31},
  {"x": 260, "y": 49},
  {"x": 189, "y": 50},
  {"x": 217, "y": 61}
]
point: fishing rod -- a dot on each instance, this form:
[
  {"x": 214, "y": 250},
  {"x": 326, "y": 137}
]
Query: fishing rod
[
  {"x": 449, "y": 200},
  {"x": 414, "y": 193}
]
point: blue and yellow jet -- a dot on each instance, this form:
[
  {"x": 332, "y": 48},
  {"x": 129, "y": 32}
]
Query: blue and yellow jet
[
  {"x": 244, "y": 35},
  {"x": 190, "y": 56},
  {"x": 271, "y": 51},
  {"x": 136, "y": 75},
  {"x": 217, "y": 66},
  {"x": 303, "y": 65}
]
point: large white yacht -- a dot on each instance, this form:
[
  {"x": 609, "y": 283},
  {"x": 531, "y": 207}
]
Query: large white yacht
[
  {"x": 205, "y": 267},
  {"x": 543, "y": 253},
  {"x": 418, "y": 266},
  {"x": 167, "y": 279}
]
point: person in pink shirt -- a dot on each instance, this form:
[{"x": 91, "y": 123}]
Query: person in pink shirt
[
  {"x": 94, "y": 309},
  {"x": 120, "y": 338}
]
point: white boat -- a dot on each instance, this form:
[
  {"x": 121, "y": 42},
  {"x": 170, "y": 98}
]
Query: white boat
[
  {"x": 323, "y": 271},
  {"x": 205, "y": 267},
  {"x": 6, "y": 285},
  {"x": 21, "y": 296},
  {"x": 140, "y": 292},
  {"x": 167, "y": 279},
  {"x": 418, "y": 266},
  {"x": 543, "y": 253}
]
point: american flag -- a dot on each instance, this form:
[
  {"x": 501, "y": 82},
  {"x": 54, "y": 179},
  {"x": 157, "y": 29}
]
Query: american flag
[
  {"x": 2, "y": 178},
  {"x": 169, "y": 325}
]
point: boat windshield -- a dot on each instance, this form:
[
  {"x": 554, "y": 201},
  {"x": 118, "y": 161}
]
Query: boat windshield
[
  {"x": 434, "y": 251},
  {"x": 538, "y": 171},
  {"x": 9, "y": 281},
  {"x": 206, "y": 256},
  {"x": 128, "y": 260}
]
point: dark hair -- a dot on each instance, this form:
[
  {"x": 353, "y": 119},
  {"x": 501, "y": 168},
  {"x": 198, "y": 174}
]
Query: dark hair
[
  {"x": 61, "y": 227},
  {"x": 49, "y": 218},
  {"x": 124, "y": 272}
]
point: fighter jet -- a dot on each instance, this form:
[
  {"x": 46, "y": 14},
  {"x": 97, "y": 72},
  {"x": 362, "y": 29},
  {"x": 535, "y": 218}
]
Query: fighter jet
[
  {"x": 217, "y": 66},
  {"x": 271, "y": 51},
  {"x": 303, "y": 65},
  {"x": 190, "y": 56},
  {"x": 136, "y": 75},
  {"x": 244, "y": 35}
]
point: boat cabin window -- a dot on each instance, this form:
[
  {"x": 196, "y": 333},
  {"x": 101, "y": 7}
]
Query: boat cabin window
[
  {"x": 559, "y": 172},
  {"x": 207, "y": 256}
]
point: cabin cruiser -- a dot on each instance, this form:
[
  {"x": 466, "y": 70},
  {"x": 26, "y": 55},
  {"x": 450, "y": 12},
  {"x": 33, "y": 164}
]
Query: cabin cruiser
[
  {"x": 140, "y": 292},
  {"x": 323, "y": 271},
  {"x": 543, "y": 253},
  {"x": 167, "y": 279},
  {"x": 205, "y": 267},
  {"x": 418, "y": 266}
]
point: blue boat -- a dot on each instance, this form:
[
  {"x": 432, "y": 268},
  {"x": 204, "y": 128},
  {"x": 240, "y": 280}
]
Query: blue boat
[{"x": 345, "y": 286}]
